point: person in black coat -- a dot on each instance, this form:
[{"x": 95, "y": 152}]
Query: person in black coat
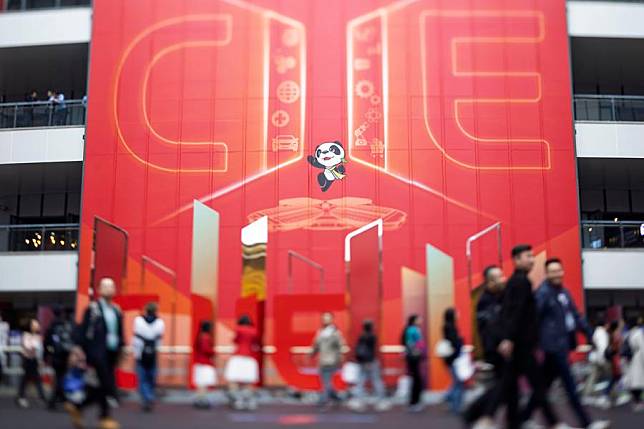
[
  {"x": 58, "y": 344},
  {"x": 519, "y": 329},
  {"x": 99, "y": 339},
  {"x": 488, "y": 320},
  {"x": 454, "y": 396}
]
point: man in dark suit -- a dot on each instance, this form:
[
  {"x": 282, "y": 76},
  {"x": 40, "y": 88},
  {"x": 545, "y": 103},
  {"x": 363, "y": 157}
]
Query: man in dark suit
[
  {"x": 559, "y": 322},
  {"x": 488, "y": 322},
  {"x": 520, "y": 339},
  {"x": 100, "y": 339}
]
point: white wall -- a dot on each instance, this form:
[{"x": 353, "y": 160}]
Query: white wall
[
  {"x": 610, "y": 139},
  {"x": 613, "y": 269},
  {"x": 41, "y": 145},
  {"x": 38, "y": 271},
  {"x": 46, "y": 27},
  {"x": 605, "y": 19}
]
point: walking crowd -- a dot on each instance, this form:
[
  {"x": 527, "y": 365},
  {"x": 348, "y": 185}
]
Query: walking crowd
[{"x": 525, "y": 335}]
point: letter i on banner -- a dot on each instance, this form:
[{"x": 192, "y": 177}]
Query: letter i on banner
[
  {"x": 205, "y": 265},
  {"x": 440, "y": 296},
  {"x": 254, "y": 238}
]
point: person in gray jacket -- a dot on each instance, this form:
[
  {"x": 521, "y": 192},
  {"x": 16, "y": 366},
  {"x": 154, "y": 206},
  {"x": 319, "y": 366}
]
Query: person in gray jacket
[{"x": 327, "y": 345}]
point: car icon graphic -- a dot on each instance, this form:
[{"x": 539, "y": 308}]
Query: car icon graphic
[{"x": 285, "y": 142}]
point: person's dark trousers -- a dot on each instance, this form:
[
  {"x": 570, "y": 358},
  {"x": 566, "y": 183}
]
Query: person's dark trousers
[
  {"x": 488, "y": 402},
  {"x": 556, "y": 365},
  {"x": 104, "y": 367},
  {"x": 31, "y": 373},
  {"x": 58, "y": 393},
  {"x": 524, "y": 363},
  {"x": 637, "y": 395},
  {"x": 413, "y": 369}
]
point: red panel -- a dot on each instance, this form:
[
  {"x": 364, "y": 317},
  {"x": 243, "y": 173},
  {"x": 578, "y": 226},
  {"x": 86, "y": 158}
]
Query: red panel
[
  {"x": 110, "y": 253},
  {"x": 365, "y": 292}
]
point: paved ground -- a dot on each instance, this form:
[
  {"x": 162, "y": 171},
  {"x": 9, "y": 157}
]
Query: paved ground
[{"x": 182, "y": 415}]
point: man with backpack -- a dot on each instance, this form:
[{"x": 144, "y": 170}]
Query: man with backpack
[
  {"x": 58, "y": 343},
  {"x": 99, "y": 341},
  {"x": 366, "y": 355},
  {"x": 148, "y": 332}
]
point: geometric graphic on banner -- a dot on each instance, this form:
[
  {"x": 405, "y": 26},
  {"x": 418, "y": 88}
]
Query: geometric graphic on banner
[
  {"x": 328, "y": 215},
  {"x": 440, "y": 297}
]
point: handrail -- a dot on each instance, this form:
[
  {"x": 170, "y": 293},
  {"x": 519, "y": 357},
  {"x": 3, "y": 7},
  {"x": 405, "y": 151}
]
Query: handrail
[
  {"x": 293, "y": 254},
  {"x": 40, "y": 225},
  {"x": 468, "y": 248},
  {"x": 31, "y": 114},
  {"x": 55, "y": 4},
  {"x": 613, "y": 223},
  {"x": 602, "y": 234},
  {"x": 38, "y": 103},
  {"x": 608, "y": 107},
  {"x": 609, "y": 96}
]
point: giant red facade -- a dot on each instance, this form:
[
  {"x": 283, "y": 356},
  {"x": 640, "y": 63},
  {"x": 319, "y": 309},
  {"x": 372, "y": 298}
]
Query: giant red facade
[{"x": 452, "y": 116}]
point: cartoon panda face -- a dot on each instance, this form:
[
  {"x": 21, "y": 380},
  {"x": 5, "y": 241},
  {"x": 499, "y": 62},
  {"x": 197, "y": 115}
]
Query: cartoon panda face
[{"x": 329, "y": 154}]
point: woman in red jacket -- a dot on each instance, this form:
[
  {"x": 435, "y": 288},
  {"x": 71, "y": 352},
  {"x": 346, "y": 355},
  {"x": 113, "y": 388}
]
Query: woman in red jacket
[
  {"x": 242, "y": 370},
  {"x": 203, "y": 372}
]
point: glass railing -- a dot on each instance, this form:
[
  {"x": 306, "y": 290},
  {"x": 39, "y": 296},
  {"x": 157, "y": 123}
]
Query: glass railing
[
  {"x": 42, "y": 114},
  {"x": 612, "y": 235},
  {"x": 37, "y": 238},
  {"x": 612, "y": 108},
  {"x": 41, "y": 4}
]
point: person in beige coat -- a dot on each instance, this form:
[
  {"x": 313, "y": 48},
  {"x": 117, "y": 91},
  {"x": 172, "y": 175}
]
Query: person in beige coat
[
  {"x": 635, "y": 371},
  {"x": 327, "y": 345}
]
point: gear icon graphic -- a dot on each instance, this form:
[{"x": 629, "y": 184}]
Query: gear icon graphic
[
  {"x": 364, "y": 89},
  {"x": 373, "y": 115}
]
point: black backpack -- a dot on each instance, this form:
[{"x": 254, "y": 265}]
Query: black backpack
[
  {"x": 61, "y": 340},
  {"x": 364, "y": 350},
  {"x": 149, "y": 352}
]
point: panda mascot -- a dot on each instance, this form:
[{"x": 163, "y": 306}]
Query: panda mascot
[{"x": 329, "y": 156}]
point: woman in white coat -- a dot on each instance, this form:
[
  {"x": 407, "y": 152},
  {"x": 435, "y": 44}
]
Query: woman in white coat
[{"x": 635, "y": 372}]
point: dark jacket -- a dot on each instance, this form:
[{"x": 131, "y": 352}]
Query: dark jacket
[
  {"x": 488, "y": 318},
  {"x": 91, "y": 334},
  {"x": 553, "y": 333},
  {"x": 59, "y": 340},
  {"x": 366, "y": 348},
  {"x": 519, "y": 313},
  {"x": 450, "y": 333}
]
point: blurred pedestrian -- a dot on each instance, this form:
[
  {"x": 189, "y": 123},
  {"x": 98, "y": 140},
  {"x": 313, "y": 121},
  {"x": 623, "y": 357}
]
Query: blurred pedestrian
[
  {"x": 99, "y": 341},
  {"x": 4, "y": 342},
  {"x": 328, "y": 344},
  {"x": 31, "y": 98},
  {"x": 635, "y": 373},
  {"x": 32, "y": 354},
  {"x": 242, "y": 369},
  {"x": 519, "y": 340},
  {"x": 488, "y": 320},
  {"x": 412, "y": 340},
  {"x": 559, "y": 322},
  {"x": 59, "y": 342},
  {"x": 613, "y": 357},
  {"x": 454, "y": 396},
  {"x": 599, "y": 365},
  {"x": 148, "y": 333},
  {"x": 204, "y": 375},
  {"x": 366, "y": 354}
]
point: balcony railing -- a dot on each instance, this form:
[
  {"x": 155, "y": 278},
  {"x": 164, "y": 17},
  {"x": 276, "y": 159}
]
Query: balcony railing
[
  {"x": 610, "y": 108},
  {"x": 38, "y": 238},
  {"x": 42, "y": 114},
  {"x": 612, "y": 235},
  {"x": 40, "y": 4}
]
